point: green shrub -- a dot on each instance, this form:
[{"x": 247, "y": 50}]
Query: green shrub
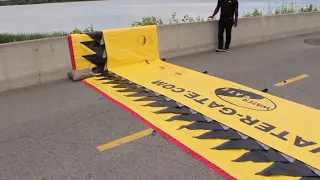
[
  {"x": 173, "y": 19},
  {"x": 255, "y": 13},
  {"x": 285, "y": 9},
  {"x": 309, "y": 8},
  {"x": 147, "y": 21},
  {"x": 86, "y": 30}
]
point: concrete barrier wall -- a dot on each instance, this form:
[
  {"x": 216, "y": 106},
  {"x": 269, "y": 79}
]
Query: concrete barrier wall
[
  {"x": 182, "y": 39},
  {"x": 33, "y": 62}
]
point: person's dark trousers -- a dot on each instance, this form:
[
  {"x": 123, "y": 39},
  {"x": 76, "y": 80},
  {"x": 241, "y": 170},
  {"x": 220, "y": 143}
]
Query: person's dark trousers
[{"x": 224, "y": 24}]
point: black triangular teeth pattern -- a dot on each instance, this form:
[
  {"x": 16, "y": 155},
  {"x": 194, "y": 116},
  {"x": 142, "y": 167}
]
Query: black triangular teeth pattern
[
  {"x": 132, "y": 89},
  {"x": 182, "y": 110},
  {"x": 104, "y": 78},
  {"x": 213, "y": 125},
  {"x": 270, "y": 155},
  {"x": 117, "y": 82},
  {"x": 97, "y": 36},
  {"x": 99, "y": 57},
  {"x": 125, "y": 86},
  {"x": 116, "y": 78},
  {"x": 247, "y": 144},
  {"x": 315, "y": 170},
  {"x": 310, "y": 178},
  {"x": 90, "y": 44},
  {"x": 189, "y": 117},
  {"x": 98, "y": 61},
  {"x": 296, "y": 169},
  {"x": 220, "y": 134},
  {"x": 106, "y": 75},
  {"x": 259, "y": 153},
  {"x": 94, "y": 46},
  {"x": 171, "y": 104},
  {"x": 156, "y": 98},
  {"x": 142, "y": 94}
]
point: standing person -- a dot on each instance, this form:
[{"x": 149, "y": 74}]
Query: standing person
[{"x": 229, "y": 9}]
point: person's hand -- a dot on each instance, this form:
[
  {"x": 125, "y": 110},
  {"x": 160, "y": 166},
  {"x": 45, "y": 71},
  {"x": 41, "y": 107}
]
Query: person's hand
[
  {"x": 211, "y": 17},
  {"x": 235, "y": 23}
]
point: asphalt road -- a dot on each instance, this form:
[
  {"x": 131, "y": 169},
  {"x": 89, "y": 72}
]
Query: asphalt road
[{"x": 51, "y": 131}]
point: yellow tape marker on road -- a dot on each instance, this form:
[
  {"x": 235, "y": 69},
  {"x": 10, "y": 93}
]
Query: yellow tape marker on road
[
  {"x": 292, "y": 80},
  {"x": 124, "y": 140}
]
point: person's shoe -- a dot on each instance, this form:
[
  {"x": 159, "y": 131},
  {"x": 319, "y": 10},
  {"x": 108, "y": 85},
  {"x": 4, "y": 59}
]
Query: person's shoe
[
  {"x": 226, "y": 50},
  {"x": 219, "y": 50}
]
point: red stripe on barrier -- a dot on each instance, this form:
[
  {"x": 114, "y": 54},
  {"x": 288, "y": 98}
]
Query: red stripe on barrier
[{"x": 73, "y": 61}]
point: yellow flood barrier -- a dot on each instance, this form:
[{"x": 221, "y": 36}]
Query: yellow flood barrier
[{"x": 264, "y": 123}]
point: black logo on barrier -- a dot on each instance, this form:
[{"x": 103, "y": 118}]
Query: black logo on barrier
[
  {"x": 245, "y": 99},
  {"x": 142, "y": 40}
]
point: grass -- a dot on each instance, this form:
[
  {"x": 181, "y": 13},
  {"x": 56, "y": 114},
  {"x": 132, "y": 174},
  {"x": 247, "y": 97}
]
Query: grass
[
  {"x": 151, "y": 20},
  {"x": 10, "y": 37},
  {"x": 24, "y": 2}
]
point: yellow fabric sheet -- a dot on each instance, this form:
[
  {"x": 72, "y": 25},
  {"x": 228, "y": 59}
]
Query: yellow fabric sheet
[
  {"x": 286, "y": 126},
  {"x": 220, "y": 158}
]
